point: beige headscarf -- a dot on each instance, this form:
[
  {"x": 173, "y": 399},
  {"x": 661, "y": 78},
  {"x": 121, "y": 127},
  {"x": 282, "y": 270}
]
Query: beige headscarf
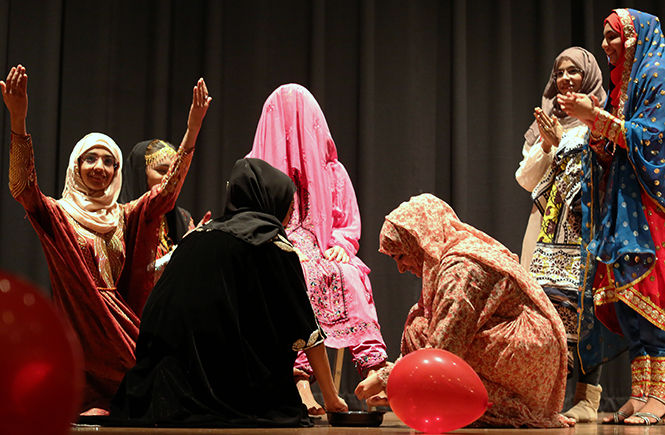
[{"x": 99, "y": 213}]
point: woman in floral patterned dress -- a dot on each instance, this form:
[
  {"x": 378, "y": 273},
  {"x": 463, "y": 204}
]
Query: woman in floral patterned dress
[
  {"x": 480, "y": 304},
  {"x": 97, "y": 263}
]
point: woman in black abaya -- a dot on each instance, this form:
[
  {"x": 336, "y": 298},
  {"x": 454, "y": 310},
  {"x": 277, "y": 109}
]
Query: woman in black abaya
[{"x": 220, "y": 331}]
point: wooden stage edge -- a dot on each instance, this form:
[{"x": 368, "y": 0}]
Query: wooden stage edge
[{"x": 391, "y": 425}]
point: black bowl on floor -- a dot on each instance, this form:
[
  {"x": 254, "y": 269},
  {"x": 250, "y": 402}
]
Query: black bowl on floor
[{"x": 356, "y": 418}]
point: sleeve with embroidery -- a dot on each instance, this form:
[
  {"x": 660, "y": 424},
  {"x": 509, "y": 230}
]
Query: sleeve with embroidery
[
  {"x": 22, "y": 174},
  {"x": 609, "y": 126}
]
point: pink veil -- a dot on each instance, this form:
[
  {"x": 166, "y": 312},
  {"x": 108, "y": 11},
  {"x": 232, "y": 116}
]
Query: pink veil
[{"x": 293, "y": 136}]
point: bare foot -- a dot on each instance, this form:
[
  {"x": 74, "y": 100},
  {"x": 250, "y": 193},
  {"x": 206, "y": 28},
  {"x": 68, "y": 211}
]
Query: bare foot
[
  {"x": 566, "y": 421},
  {"x": 95, "y": 411},
  {"x": 652, "y": 406},
  {"x": 313, "y": 407},
  {"x": 628, "y": 408}
]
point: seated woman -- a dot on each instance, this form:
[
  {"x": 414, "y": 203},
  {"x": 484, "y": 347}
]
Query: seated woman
[
  {"x": 293, "y": 136},
  {"x": 93, "y": 244},
  {"x": 145, "y": 167},
  {"x": 480, "y": 304},
  {"x": 221, "y": 328}
]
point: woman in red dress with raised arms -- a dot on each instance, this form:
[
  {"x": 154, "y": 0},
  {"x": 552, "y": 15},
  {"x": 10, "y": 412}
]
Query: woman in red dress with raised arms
[{"x": 92, "y": 243}]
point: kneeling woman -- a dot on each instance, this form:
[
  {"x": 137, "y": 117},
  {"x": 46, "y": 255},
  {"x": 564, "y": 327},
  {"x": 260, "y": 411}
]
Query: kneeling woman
[
  {"x": 221, "y": 329},
  {"x": 480, "y": 304}
]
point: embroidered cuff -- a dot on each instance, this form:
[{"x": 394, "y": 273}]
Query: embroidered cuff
[
  {"x": 657, "y": 383},
  {"x": 384, "y": 374},
  {"x": 640, "y": 369},
  {"x": 315, "y": 338},
  {"x": 609, "y": 126},
  {"x": 21, "y": 164}
]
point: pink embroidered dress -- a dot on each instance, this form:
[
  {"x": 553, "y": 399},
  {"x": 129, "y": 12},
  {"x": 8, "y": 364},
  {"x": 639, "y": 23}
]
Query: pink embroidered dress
[
  {"x": 96, "y": 256},
  {"x": 293, "y": 136},
  {"x": 478, "y": 302}
]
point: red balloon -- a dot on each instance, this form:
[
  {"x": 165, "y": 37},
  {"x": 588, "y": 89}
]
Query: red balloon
[
  {"x": 435, "y": 391},
  {"x": 41, "y": 368}
]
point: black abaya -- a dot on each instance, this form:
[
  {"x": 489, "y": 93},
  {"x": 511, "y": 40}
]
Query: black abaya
[
  {"x": 221, "y": 328},
  {"x": 217, "y": 338}
]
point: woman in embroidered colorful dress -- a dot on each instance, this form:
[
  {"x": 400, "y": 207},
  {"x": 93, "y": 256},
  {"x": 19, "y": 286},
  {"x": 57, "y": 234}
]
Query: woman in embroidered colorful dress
[
  {"x": 293, "y": 136},
  {"x": 93, "y": 244},
  {"x": 220, "y": 331},
  {"x": 144, "y": 169},
  {"x": 623, "y": 200},
  {"x": 551, "y": 171},
  {"x": 478, "y": 302}
]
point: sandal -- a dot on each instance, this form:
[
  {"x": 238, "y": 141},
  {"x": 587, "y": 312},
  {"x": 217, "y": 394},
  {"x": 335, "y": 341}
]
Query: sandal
[
  {"x": 646, "y": 416},
  {"x": 615, "y": 417}
]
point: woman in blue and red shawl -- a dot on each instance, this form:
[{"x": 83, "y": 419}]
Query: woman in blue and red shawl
[{"x": 623, "y": 204}]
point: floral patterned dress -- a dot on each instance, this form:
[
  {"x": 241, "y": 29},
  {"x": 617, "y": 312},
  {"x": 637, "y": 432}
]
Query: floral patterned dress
[{"x": 479, "y": 303}]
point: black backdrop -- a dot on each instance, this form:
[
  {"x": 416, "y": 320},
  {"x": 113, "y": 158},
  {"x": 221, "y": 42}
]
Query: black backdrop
[{"x": 420, "y": 95}]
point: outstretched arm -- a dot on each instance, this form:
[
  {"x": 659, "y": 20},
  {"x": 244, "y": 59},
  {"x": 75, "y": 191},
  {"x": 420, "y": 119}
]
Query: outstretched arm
[
  {"x": 163, "y": 197},
  {"x": 197, "y": 111},
  {"x": 22, "y": 176},
  {"x": 319, "y": 361}
]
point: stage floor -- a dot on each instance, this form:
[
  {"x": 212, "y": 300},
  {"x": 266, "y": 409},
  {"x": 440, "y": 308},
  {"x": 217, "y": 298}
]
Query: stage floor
[{"x": 391, "y": 425}]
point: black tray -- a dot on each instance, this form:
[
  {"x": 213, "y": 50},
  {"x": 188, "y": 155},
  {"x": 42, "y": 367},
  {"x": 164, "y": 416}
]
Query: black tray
[{"x": 356, "y": 418}]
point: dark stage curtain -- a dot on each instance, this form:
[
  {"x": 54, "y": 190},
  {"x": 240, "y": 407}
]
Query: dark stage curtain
[{"x": 421, "y": 96}]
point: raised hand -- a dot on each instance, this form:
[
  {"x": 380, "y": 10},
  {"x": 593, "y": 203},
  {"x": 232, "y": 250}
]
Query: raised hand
[
  {"x": 200, "y": 103},
  {"x": 550, "y": 129},
  {"x": 15, "y": 95}
]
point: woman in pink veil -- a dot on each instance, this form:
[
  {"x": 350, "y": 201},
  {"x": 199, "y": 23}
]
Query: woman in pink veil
[{"x": 293, "y": 136}]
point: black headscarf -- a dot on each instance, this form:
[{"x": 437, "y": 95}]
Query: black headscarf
[
  {"x": 135, "y": 184},
  {"x": 258, "y": 199}
]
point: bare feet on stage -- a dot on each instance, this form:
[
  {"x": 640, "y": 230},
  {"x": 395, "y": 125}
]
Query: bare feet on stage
[
  {"x": 629, "y": 408},
  {"x": 566, "y": 421},
  {"x": 305, "y": 390},
  {"x": 651, "y": 409}
]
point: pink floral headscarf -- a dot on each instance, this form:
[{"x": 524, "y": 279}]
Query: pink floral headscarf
[
  {"x": 293, "y": 136},
  {"x": 427, "y": 229}
]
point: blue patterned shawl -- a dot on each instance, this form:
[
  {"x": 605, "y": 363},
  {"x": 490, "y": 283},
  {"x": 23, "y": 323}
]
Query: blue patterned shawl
[{"x": 614, "y": 229}]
